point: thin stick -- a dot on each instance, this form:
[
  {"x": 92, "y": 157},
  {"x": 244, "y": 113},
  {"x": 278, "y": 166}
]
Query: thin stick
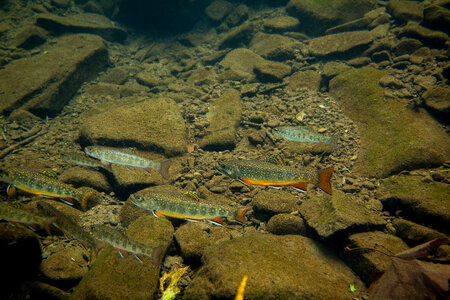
[{"x": 23, "y": 142}]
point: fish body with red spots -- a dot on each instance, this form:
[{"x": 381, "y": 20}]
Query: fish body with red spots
[{"x": 268, "y": 173}]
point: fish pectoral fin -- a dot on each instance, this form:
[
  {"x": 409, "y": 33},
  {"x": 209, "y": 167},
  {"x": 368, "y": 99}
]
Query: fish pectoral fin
[
  {"x": 275, "y": 187},
  {"x": 68, "y": 201},
  {"x": 193, "y": 195},
  {"x": 158, "y": 214},
  {"x": 246, "y": 181},
  {"x": 275, "y": 159},
  {"x": 301, "y": 186},
  {"x": 11, "y": 190},
  {"x": 121, "y": 253},
  {"x": 139, "y": 257},
  {"x": 216, "y": 221},
  {"x": 192, "y": 220}
]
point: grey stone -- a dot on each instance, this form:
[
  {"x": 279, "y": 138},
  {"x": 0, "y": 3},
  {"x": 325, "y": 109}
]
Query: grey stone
[
  {"x": 336, "y": 214},
  {"x": 278, "y": 267},
  {"x": 43, "y": 83}
]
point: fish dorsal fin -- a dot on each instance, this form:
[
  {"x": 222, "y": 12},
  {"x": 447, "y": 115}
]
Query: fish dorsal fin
[
  {"x": 192, "y": 195},
  {"x": 276, "y": 159}
]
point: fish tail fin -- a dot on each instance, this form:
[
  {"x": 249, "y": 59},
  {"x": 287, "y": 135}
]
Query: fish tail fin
[
  {"x": 240, "y": 214},
  {"x": 164, "y": 170},
  {"x": 48, "y": 223},
  {"x": 158, "y": 255},
  {"x": 325, "y": 180},
  {"x": 84, "y": 200}
]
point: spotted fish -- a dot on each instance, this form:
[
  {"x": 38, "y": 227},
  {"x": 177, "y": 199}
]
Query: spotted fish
[
  {"x": 273, "y": 173},
  {"x": 186, "y": 206},
  {"x": 81, "y": 160},
  {"x": 68, "y": 225},
  {"x": 12, "y": 214},
  {"x": 115, "y": 156},
  {"x": 121, "y": 242},
  {"x": 302, "y": 134},
  {"x": 40, "y": 184}
]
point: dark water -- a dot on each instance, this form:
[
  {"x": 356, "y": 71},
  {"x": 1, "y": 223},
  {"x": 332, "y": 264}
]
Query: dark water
[{"x": 230, "y": 111}]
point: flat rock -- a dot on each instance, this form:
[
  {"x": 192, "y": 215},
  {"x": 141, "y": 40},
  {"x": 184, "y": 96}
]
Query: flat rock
[
  {"x": 422, "y": 202},
  {"x": 82, "y": 23},
  {"x": 331, "y": 215},
  {"x": 79, "y": 176},
  {"x": 113, "y": 277},
  {"x": 153, "y": 124},
  {"x": 414, "y": 234},
  {"x": 237, "y": 37},
  {"x": 147, "y": 78},
  {"x": 305, "y": 79},
  {"x": 344, "y": 44},
  {"x": 317, "y": 15},
  {"x": 370, "y": 264},
  {"x": 45, "y": 82},
  {"x": 405, "y": 11},
  {"x": 438, "y": 99},
  {"x": 275, "y": 202},
  {"x": 275, "y": 46},
  {"x": 30, "y": 37},
  {"x": 224, "y": 117},
  {"x": 437, "y": 17},
  {"x": 65, "y": 265},
  {"x": 393, "y": 137},
  {"x": 282, "y": 224},
  {"x": 278, "y": 267},
  {"x": 271, "y": 71},
  {"x": 194, "y": 238},
  {"x": 218, "y": 10},
  {"x": 281, "y": 24},
  {"x": 425, "y": 35},
  {"x": 332, "y": 68}
]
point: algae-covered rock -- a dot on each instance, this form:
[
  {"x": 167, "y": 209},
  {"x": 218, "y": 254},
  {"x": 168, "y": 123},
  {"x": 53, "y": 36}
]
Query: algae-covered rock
[
  {"x": 344, "y": 44},
  {"x": 271, "y": 71},
  {"x": 281, "y": 24},
  {"x": 275, "y": 202},
  {"x": 274, "y": 46},
  {"x": 309, "y": 79},
  {"x": 113, "y": 277},
  {"x": 67, "y": 264},
  {"x": 152, "y": 124},
  {"x": 278, "y": 267},
  {"x": 438, "y": 99},
  {"x": 422, "y": 202},
  {"x": 241, "y": 61},
  {"x": 370, "y": 264},
  {"x": 238, "y": 36},
  {"x": 414, "y": 234},
  {"x": 425, "y": 35},
  {"x": 317, "y": 15},
  {"x": 331, "y": 215},
  {"x": 224, "y": 117},
  {"x": 405, "y": 11},
  {"x": 282, "y": 224},
  {"x": 393, "y": 138},
  {"x": 85, "y": 177}
]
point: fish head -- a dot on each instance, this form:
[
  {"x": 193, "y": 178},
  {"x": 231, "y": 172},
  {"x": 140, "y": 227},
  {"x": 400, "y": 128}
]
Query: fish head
[
  {"x": 276, "y": 130},
  {"x": 137, "y": 200},
  {"x": 89, "y": 150},
  {"x": 227, "y": 169}
]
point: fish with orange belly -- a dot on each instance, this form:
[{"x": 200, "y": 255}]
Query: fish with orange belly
[
  {"x": 40, "y": 184},
  {"x": 187, "y": 205},
  {"x": 272, "y": 172}
]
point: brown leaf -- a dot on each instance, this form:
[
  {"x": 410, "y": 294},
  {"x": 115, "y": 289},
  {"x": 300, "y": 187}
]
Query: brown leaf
[{"x": 422, "y": 249}]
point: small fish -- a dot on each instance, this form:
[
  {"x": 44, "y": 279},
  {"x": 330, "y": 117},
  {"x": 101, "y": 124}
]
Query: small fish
[
  {"x": 186, "y": 206},
  {"x": 12, "y": 214},
  {"x": 121, "y": 157},
  {"x": 81, "y": 160},
  {"x": 272, "y": 173},
  {"x": 121, "y": 242},
  {"x": 68, "y": 225},
  {"x": 40, "y": 184},
  {"x": 302, "y": 134}
]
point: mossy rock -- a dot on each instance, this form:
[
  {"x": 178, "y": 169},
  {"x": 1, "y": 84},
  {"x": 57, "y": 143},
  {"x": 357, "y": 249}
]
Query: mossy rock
[
  {"x": 422, "y": 202},
  {"x": 393, "y": 137}
]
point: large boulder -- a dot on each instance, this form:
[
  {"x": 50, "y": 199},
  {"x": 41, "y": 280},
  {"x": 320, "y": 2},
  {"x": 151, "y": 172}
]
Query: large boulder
[
  {"x": 393, "y": 137},
  {"x": 45, "y": 82},
  {"x": 405, "y": 11},
  {"x": 149, "y": 124},
  {"x": 278, "y": 267},
  {"x": 317, "y": 15}
]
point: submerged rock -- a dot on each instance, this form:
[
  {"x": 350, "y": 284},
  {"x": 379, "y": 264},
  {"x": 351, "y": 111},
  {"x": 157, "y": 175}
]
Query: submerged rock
[
  {"x": 68, "y": 264},
  {"x": 44, "y": 83},
  {"x": 282, "y": 224},
  {"x": 331, "y": 215},
  {"x": 393, "y": 138},
  {"x": 153, "y": 124},
  {"x": 438, "y": 99},
  {"x": 406, "y": 10},
  {"x": 224, "y": 117},
  {"x": 275, "y": 202},
  {"x": 422, "y": 202},
  {"x": 415, "y": 234},
  {"x": 278, "y": 267},
  {"x": 275, "y": 46},
  {"x": 113, "y": 277}
]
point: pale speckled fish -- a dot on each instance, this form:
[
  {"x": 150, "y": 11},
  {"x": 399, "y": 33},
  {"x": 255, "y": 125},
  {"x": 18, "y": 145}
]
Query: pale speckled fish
[
  {"x": 185, "y": 205},
  {"x": 120, "y": 241},
  {"x": 270, "y": 173},
  {"x": 302, "y": 134},
  {"x": 12, "y": 214},
  {"x": 121, "y": 157},
  {"x": 40, "y": 184},
  {"x": 68, "y": 225},
  {"x": 81, "y": 160}
]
